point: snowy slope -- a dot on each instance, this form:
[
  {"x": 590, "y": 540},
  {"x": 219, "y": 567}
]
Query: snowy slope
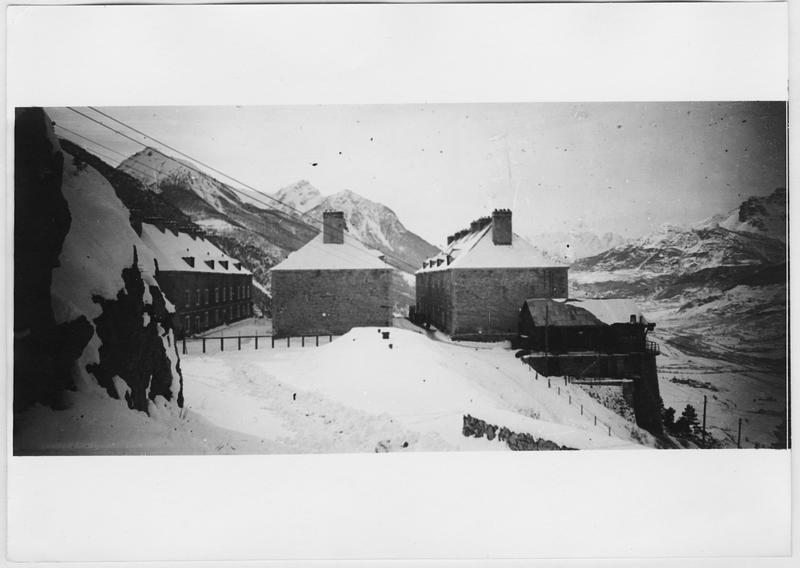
[
  {"x": 378, "y": 227},
  {"x": 762, "y": 215},
  {"x": 573, "y": 245},
  {"x": 416, "y": 392}
]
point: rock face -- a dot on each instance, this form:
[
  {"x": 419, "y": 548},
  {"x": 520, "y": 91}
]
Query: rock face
[
  {"x": 88, "y": 311},
  {"x": 43, "y": 350}
]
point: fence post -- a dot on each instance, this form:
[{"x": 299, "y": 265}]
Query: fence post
[
  {"x": 595, "y": 420},
  {"x": 288, "y": 339},
  {"x": 739, "y": 436},
  {"x": 273, "y": 342},
  {"x": 204, "y": 345},
  {"x": 609, "y": 430},
  {"x": 581, "y": 410},
  {"x": 559, "y": 391},
  {"x": 302, "y": 341},
  {"x": 222, "y": 343},
  {"x": 330, "y": 338},
  {"x": 565, "y": 380},
  {"x": 570, "y": 399},
  {"x": 256, "y": 342},
  {"x": 184, "y": 345},
  {"x": 240, "y": 343},
  {"x": 548, "y": 382},
  {"x": 318, "y": 341},
  {"x": 705, "y": 400}
]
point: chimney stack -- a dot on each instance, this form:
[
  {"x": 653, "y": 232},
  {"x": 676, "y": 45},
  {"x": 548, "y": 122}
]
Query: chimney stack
[
  {"x": 450, "y": 239},
  {"x": 333, "y": 227},
  {"x": 501, "y": 227}
]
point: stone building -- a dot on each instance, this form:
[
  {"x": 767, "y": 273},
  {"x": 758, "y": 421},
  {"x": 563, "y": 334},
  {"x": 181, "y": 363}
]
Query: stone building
[
  {"x": 473, "y": 289},
  {"x": 330, "y": 285},
  {"x": 207, "y": 287}
]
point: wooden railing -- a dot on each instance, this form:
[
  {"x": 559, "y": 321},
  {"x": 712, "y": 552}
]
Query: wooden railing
[{"x": 268, "y": 341}]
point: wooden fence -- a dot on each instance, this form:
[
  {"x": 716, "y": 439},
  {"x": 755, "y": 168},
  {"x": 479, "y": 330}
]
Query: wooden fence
[{"x": 234, "y": 342}]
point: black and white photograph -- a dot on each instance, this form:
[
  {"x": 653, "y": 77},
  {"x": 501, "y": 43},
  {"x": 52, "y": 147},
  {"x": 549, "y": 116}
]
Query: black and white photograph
[
  {"x": 400, "y": 278},
  {"x": 418, "y": 283}
]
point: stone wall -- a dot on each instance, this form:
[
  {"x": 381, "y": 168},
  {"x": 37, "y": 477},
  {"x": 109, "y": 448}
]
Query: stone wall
[
  {"x": 321, "y": 302},
  {"x": 435, "y": 298},
  {"x": 477, "y": 428},
  {"x": 210, "y": 313},
  {"x": 487, "y": 302}
]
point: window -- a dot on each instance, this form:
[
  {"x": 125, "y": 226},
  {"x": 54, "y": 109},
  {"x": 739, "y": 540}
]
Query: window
[
  {"x": 198, "y": 296},
  {"x": 216, "y": 295},
  {"x": 216, "y": 316},
  {"x": 197, "y": 323},
  {"x": 187, "y": 328},
  {"x": 206, "y": 296},
  {"x": 248, "y": 291},
  {"x": 188, "y": 298},
  {"x": 223, "y": 293},
  {"x": 206, "y": 318}
]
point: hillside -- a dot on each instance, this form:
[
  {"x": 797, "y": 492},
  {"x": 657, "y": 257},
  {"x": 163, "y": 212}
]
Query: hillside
[
  {"x": 717, "y": 291},
  {"x": 262, "y": 230},
  {"x": 573, "y": 245},
  {"x": 259, "y": 236},
  {"x": 91, "y": 322}
]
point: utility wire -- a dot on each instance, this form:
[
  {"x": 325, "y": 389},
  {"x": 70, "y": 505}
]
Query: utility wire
[
  {"x": 215, "y": 170},
  {"x": 337, "y": 253}
]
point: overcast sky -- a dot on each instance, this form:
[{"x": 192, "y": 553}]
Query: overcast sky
[{"x": 622, "y": 167}]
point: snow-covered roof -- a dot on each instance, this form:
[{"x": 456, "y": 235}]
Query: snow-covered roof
[
  {"x": 582, "y": 312},
  {"x": 318, "y": 255},
  {"x": 184, "y": 253},
  {"x": 475, "y": 249}
]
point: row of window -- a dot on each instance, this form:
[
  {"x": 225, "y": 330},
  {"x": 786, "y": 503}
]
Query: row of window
[
  {"x": 229, "y": 293},
  {"x": 213, "y": 318}
]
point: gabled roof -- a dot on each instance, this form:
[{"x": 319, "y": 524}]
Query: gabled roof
[
  {"x": 318, "y": 255},
  {"x": 475, "y": 249},
  {"x": 184, "y": 253},
  {"x": 582, "y": 312}
]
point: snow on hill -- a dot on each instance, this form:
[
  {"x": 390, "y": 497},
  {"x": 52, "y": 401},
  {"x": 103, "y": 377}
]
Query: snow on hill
[
  {"x": 104, "y": 287},
  {"x": 573, "y": 245},
  {"x": 242, "y": 227},
  {"x": 299, "y": 196},
  {"x": 762, "y": 215},
  {"x": 370, "y": 222},
  {"x": 410, "y": 397}
]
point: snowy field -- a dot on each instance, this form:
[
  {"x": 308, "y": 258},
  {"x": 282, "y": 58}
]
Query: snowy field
[{"x": 360, "y": 393}]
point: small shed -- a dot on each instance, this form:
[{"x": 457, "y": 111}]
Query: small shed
[{"x": 583, "y": 325}]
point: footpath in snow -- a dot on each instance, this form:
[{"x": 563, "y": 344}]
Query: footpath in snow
[{"x": 360, "y": 393}]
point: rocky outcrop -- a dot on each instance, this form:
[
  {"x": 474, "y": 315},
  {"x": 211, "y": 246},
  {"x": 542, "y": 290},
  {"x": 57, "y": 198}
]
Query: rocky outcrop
[
  {"x": 43, "y": 350},
  {"x": 83, "y": 315},
  {"x": 518, "y": 441}
]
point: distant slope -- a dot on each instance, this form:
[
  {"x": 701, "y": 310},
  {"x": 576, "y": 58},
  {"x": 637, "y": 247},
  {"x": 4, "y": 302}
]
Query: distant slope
[
  {"x": 574, "y": 245},
  {"x": 260, "y": 237},
  {"x": 377, "y": 226}
]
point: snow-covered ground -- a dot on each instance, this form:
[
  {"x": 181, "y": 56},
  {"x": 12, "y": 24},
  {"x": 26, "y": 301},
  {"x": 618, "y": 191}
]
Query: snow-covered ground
[{"x": 360, "y": 393}]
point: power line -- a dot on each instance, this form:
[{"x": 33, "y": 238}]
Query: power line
[
  {"x": 277, "y": 201},
  {"x": 339, "y": 253},
  {"x": 300, "y": 213}
]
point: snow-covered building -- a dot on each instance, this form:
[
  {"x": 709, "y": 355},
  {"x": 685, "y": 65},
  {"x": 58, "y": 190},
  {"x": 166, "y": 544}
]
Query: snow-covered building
[
  {"x": 474, "y": 288},
  {"x": 330, "y": 285},
  {"x": 207, "y": 287},
  {"x": 583, "y": 325}
]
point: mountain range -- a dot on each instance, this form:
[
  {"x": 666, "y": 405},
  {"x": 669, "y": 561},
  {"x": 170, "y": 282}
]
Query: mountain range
[{"x": 262, "y": 229}]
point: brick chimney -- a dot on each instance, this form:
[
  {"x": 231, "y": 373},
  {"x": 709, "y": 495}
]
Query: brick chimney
[
  {"x": 333, "y": 227},
  {"x": 501, "y": 227}
]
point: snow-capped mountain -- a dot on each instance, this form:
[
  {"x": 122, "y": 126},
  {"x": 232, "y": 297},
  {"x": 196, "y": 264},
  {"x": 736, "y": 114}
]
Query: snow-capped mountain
[
  {"x": 299, "y": 196},
  {"x": 261, "y": 230},
  {"x": 377, "y": 226},
  {"x": 677, "y": 250},
  {"x": 573, "y": 245},
  {"x": 761, "y": 215}
]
